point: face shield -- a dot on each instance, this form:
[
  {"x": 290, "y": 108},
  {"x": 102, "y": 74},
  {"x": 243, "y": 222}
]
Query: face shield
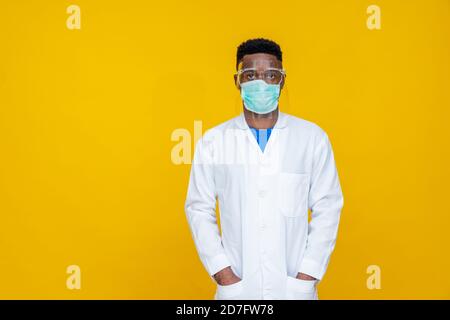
[
  {"x": 260, "y": 86},
  {"x": 268, "y": 75}
]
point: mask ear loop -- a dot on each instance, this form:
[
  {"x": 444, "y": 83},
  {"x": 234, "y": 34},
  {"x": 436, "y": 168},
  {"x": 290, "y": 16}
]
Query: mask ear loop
[
  {"x": 238, "y": 100},
  {"x": 283, "y": 73},
  {"x": 287, "y": 106}
]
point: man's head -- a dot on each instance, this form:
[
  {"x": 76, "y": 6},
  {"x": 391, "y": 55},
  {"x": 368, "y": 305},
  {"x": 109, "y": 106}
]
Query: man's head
[
  {"x": 258, "y": 45},
  {"x": 260, "y": 54},
  {"x": 259, "y": 59}
]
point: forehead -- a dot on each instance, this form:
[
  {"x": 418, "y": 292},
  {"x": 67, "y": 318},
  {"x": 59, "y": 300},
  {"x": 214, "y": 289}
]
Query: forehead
[{"x": 259, "y": 61}]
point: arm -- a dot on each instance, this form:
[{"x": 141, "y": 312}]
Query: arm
[
  {"x": 326, "y": 202},
  {"x": 200, "y": 210}
]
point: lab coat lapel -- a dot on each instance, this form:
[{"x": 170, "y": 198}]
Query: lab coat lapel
[{"x": 280, "y": 124}]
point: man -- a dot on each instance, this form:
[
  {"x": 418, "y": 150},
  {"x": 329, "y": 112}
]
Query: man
[{"x": 266, "y": 169}]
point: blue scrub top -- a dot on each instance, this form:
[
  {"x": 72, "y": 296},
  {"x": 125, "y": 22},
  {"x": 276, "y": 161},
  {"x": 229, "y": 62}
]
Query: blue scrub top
[{"x": 262, "y": 136}]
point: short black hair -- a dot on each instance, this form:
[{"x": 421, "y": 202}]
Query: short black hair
[{"x": 258, "y": 45}]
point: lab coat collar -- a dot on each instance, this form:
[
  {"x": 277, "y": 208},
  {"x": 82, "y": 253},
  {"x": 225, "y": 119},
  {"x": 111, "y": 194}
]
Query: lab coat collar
[{"x": 280, "y": 124}]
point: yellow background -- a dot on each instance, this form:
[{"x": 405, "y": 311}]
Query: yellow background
[{"x": 86, "y": 117}]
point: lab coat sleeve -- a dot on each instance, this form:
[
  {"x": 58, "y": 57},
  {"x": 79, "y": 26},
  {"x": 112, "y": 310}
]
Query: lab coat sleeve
[
  {"x": 200, "y": 208},
  {"x": 325, "y": 202}
]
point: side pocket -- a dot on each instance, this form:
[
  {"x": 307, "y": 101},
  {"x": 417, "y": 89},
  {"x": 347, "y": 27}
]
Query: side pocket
[
  {"x": 297, "y": 289},
  {"x": 229, "y": 292}
]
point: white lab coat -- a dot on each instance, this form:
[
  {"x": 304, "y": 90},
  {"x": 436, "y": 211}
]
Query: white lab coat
[{"x": 264, "y": 199}]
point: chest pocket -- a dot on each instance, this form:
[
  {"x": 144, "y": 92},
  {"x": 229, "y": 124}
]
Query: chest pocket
[{"x": 294, "y": 192}]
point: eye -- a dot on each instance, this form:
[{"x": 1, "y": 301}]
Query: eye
[{"x": 270, "y": 75}]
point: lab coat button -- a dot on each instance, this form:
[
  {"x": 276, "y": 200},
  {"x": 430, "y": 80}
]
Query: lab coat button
[
  {"x": 265, "y": 163},
  {"x": 262, "y": 193}
]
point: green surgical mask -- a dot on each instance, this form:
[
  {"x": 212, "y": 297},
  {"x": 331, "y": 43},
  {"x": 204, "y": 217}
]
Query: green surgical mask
[{"x": 260, "y": 97}]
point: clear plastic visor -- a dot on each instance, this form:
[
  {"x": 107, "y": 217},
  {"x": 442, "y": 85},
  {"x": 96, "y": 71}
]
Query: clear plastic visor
[{"x": 269, "y": 75}]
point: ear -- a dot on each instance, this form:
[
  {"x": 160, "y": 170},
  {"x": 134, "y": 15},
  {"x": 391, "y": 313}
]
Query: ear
[
  {"x": 235, "y": 82},
  {"x": 282, "y": 82}
]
